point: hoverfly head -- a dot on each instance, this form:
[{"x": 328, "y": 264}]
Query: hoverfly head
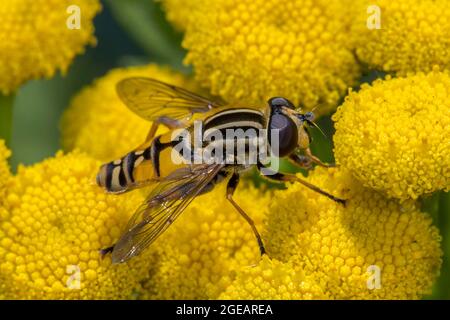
[{"x": 291, "y": 124}]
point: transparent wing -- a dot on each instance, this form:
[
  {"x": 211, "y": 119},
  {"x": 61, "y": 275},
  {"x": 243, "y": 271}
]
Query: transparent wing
[
  {"x": 152, "y": 99},
  {"x": 165, "y": 203}
]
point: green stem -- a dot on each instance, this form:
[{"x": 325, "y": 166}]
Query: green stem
[
  {"x": 444, "y": 224},
  {"x": 430, "y": 205},
  {"x": 438, "y": 206},
  {"x": 6, "y": 118}
]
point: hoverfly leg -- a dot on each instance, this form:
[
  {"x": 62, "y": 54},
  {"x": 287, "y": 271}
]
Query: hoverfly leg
[
  {"x": 301, "y": 161},
  {"x": 314, "y": 188},
  {"x": 231, "y": 187},
  {"x": 151, "y": 134},
  {"x": 317, "y": 161},
  {"x": 277, "y": 176},
  {"x": 105, "y": 251},
  {"x": 166, "y": 121}
]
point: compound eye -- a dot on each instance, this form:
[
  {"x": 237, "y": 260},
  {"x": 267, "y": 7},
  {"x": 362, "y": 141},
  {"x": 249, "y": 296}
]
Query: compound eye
[
  {"x": 278, "y": 102},
  {"x": 286, "y": 134}
]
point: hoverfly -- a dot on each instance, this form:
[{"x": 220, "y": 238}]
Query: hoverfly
[{"x": 176, "y": 185}]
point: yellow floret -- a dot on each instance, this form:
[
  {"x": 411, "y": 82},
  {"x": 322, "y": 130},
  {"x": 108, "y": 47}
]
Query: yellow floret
[
  {"x": 345, "y": 247},
  {"x": 413, "y": 36},
  {"x": 248, "y": 51},
  {"x": 54, "y": 222},
  {"x": 180, "y": 12},
  {"x": 199, "y": 254},
  {"x": 36, "y": 41},
  {"x": 273, "y": 280},
  {"x": 98, "y": 123},
  {"x": 395, "y": 135}
]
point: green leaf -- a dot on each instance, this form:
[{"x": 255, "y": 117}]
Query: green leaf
[
  {"x": 144, "y": 21},
  {"x": 6, "y": 118}
]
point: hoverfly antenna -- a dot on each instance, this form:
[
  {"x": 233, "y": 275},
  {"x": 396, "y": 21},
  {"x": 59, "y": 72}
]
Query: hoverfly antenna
[
  {"x": 310, "y": 116},
  {"x": 314, "y": 109},
  {"x": 307, "y": 117},
  {"x": 312, "y": 123}
]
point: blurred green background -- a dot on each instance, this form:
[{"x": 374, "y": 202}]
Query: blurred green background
[{"x": 135, "y": 32}]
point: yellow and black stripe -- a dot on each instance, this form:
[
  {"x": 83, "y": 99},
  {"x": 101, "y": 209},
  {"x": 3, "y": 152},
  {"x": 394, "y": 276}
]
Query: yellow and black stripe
[{"x": 118, "y": 175}]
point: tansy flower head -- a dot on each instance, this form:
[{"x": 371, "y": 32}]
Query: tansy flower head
[
  {"x": 198, "y": 256},
  {"x": 54, "y": 220},
  {"x": 412, "y": 35},
  {"x": 35, "y": 40},
  {"x": 271, "y": 280},
  {"x": 248, "y": 51},
  {"x": 180, "y": 12},
  {"x": 98, "y": 123},
  {"x": 347, "y": 248},
  {"x": 393, "y": 135}
]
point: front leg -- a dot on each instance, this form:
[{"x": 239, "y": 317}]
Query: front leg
[
  {"x": 316, "y": 160},
  {"x": 166, "y": 121},
  {"x": 281, "y": 177},
  {"x": 301, "y": 161}
]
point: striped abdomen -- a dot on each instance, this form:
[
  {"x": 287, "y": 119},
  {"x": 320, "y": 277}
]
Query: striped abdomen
[
  {"x": 138, "y": 168},
  {"x": 120, "y": 175}
]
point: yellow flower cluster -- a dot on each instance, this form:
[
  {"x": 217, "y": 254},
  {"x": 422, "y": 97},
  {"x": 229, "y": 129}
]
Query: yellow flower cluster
[
  {"x": 53, "y": 222},
  {"x": 343, "y": 247},
  {"x": 248, "y": 51},
  {"x": 4, "y": 168},
  {"x": 35, "y": 40},
  {"x": 318, "y": 249},
  {"x": 180, "y": 12},
  {"x": 197, "y": 256},
  {"x": 413, "y": 36},
  {"x": 393, "y": 135},
  {"x": 98, "y": 123},
  {"x": 273, "y": 280}
]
